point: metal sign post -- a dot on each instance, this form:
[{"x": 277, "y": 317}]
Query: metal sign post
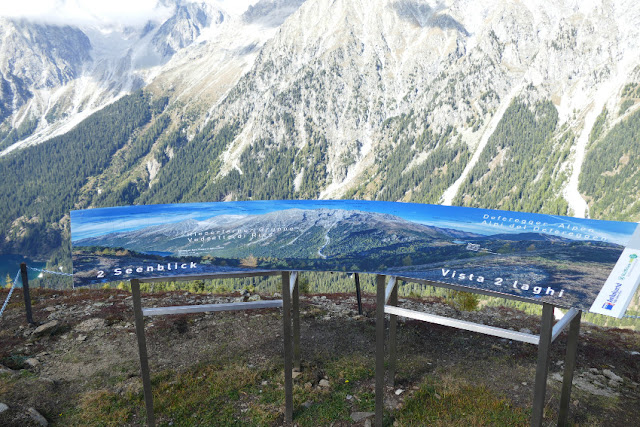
[
  {"x": 380, "y": 288},
  {"x": 358, "y": 294},
  {"x": 569, "y": 368},
  {"x": 142, "y": 351},
  {"x": 295, "y": 295},
  {"x": 542, "y": 368},
  {"x": 548, "y": 333},
  {"x": 288, "y": 353}
]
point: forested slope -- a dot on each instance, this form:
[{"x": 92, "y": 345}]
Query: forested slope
[{"x": 41, "y": 184}]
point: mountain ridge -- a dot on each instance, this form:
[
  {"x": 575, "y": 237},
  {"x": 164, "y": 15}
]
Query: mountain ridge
[{"x": 490, "y": 104}]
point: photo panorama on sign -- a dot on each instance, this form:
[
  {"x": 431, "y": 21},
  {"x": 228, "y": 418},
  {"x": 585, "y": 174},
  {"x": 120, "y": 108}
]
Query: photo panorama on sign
[{"x": 569, "y": 262}]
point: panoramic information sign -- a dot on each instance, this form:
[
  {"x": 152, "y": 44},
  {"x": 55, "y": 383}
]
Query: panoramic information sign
[{"x": 569, "y": 262}]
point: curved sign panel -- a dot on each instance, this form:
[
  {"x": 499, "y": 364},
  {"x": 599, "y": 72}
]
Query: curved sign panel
[{"x": 569, "y": 262}]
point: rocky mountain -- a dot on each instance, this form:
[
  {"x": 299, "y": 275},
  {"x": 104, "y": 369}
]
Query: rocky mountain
[
  {"x": 529, "y": 106},
  {"x": 56, "y": 76}
]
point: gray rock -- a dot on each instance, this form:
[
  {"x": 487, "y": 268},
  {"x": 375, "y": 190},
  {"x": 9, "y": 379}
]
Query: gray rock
[
  {"x": 612, "y": 377},
  {"x": 37, "y": 417},
  {"x": 46, "y": 328},
  {"x": 32, "y": 362},
  {"x": 359, "y": 416},
  {"x": 254, "y": 298},
  {"x": 593, "y": 388},
  {"x": 5, "y": 370},
  {"x": 3, "y": 407},
  {"x": 323, "y": 383},
  {"x": 90, "y": 325}
]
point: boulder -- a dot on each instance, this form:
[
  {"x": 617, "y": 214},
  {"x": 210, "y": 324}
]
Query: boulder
[
  {"x": 47, "y": 328},
  {"x": 37, "y": 417}
]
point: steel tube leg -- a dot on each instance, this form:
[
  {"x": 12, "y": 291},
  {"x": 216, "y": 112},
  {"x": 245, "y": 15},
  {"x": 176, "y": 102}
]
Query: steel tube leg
[
  {"x": 542, "y": 368},
  {"x": 288, "y": 356},
  {"x": 296, "y": 326},
  {"x": 569, "y": 368},
  {"x": 142, "y": 350},
  {"x": 380, "y": 290},
  {"x": 358, "y": 293},
  {"x": 393, "y": 325},
  {"x": 25, "y": 292}
]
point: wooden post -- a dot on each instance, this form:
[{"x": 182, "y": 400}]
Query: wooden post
[{"x": 25, "y": 292}]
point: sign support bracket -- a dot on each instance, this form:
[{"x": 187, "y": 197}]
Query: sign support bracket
[{"x": 289, "y": 283}]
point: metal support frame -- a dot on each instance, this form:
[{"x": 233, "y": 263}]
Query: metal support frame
[
  {"x": 289, "y": 286},
  {"x": 548, "y": 334}
]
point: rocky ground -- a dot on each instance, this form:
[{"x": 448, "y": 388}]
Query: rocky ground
[{"x": 82, "y": 352}]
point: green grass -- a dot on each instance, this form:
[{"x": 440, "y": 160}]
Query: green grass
[
  {"x": 438, "y": 404},
  {"x": 234, "y": 393}
]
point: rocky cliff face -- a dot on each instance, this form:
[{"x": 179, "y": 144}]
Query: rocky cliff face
[
  {"x": 368, "y": 75},
  {"x": 56, "y": 76}
]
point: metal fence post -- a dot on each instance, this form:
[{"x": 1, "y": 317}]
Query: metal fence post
[{"x": 25, "y": 292}]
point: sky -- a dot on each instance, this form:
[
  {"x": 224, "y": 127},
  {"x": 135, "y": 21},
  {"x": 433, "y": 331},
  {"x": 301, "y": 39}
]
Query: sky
[
  {"x": 95, "y": 222},
  {"x": 107, "y": 12}
]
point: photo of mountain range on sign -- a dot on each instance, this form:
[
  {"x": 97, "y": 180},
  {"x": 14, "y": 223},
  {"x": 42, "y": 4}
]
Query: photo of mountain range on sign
[{"x": 341, "y": 236}]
